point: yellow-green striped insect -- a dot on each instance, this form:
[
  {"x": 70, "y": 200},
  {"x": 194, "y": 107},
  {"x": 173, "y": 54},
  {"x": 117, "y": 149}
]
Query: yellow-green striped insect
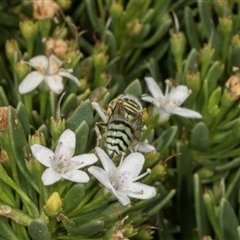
[{"x": 123, "y": 124}]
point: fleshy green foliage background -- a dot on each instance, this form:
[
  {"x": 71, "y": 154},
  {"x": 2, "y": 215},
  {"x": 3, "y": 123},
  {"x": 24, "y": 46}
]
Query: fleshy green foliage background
[{"x": 124, "y": 41}]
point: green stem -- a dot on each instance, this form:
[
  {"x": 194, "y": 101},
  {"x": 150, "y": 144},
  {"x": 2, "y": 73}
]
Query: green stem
[{"x": 44, "y": 95}]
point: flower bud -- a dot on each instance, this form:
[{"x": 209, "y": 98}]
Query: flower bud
[
  {"x": 21, "y": 70},
  {"x": 116, "y": 9},
  {"x": 225, "y": 25},
  {"x": 134, "y": 28},
  {"x": 37, "y": 138},
  {"x": 53, "y": 205},
  {"x": 205, "y": 173},
  {"x": 194, "y": 83},
  {"x": 84, "y": 85},
  {"x": 137, "y": 218},
  {"x": 35, "y": 168},
  {"x": 64, "y": 5},
  {"x": 3, "y": 156},
  {"x": 57, "y": 128},
  {"x": 206, "y": 56},
  {"x": 60, "y": 32},
  {"x": 28, "y": 29},
  {"x": 156, "y": 173},
  {"x": 151, "y": 158},
  {"x": 12, "y": 51},
  {"x": 178, "y": 45},
  {"x": 144, "y": 234},
  {"x": 236, "y": 40},
  {"x": 128, "y": 230},
  {"x": 71, "y": 59},
  {"x": 100, "y": 61}
]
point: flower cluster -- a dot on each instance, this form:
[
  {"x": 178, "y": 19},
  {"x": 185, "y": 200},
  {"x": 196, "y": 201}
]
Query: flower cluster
[{"x": 120, "y": 180}]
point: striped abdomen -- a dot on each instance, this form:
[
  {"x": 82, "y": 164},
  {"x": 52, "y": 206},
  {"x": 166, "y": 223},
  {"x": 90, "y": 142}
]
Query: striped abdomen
[{"x": 120, "y": 134}]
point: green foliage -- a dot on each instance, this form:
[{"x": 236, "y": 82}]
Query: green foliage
[{"x": 110, "y": 47}]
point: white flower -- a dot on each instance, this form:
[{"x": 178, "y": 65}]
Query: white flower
[
  {"x": 61, "y": 164},
  {"x": 141, "y": 147},
  {"x": 49, "y": 71},
  {"x": 168, "y": 104},
  {"x": 121, "y": 180}
]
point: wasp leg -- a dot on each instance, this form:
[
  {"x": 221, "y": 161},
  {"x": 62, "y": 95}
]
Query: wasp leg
[{"x": 98, "y": 133}]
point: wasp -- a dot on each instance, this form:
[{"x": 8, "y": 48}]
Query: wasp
[{"x": 123, "y": 124}]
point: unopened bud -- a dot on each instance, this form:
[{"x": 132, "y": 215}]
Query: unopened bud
[
  {"x": 57, "y": 128},
  {"x": 21, "y": 70},
  {"x": 12, "y": 51},
  {"x": 134, "y": 28},
  {"x": 116, "y": 9},
  {"x": 28, "y": 29},
  {"x": 64, "y": 5},
  {"x": 206, "y": 56},
  {"x": 53, "y": 205}
]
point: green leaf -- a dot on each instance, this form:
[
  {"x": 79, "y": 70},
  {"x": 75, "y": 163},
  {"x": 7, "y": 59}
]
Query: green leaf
[
  {"x": 23, "y": 117},
  {"x": 134, "y": 88},
  {"x": 199, "y": 207},
  {"x": 166, "y": 138},
  {"x": 81, "y": 137},
  {"x": 14, "y": 142},
  {"x": 213, "y": 75},
  {"x": 185, "y": 191},
  {"x": 73, "y": 197},
  {"x": 88, "y": 229},
  {"x": 84, "y": 112},
  {"x": 69, "y": 104},
  {"x": 7, "y": 230},
  {"x": 191, "y": 28},
  {"x": 236, "y": 56},
  {"x": 228, "y": 221},
  {"x": 210, "y": 209},
  {"x": 38, "y": 230},
  {"x": 200, "y": 137}
]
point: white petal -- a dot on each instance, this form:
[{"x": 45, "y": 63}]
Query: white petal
[
  {"x": 179, "y": 94},
  {"x": 163, "y": 115},
  {"x": 132, "y": 165},
  {"x": 184, "y": 112},
  {"x": 141, "y": 191},
  {"x": 106, "y": 161},
  {"x": 76, "y": 176},
  {"x": 66, "y": 145},
  {"x": 49, "y": 176},
  {"x": 153, "y": 88},
  {"x": 83, "y": 160},
  {"x": 54, "y": 82},
  {"x": 30, "y": 82},
  {"x": 99, "y": 111},
  {"x": 43, "y": 154},
  {"x": 101, "y": 176},
  {"x": 145, "y": 147},
  {"x": 122, "y": 197},
  {"x": 70, "y": 76},
  {"x": 150, "y": 99},
  {"x": 39, "y": 62}
]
